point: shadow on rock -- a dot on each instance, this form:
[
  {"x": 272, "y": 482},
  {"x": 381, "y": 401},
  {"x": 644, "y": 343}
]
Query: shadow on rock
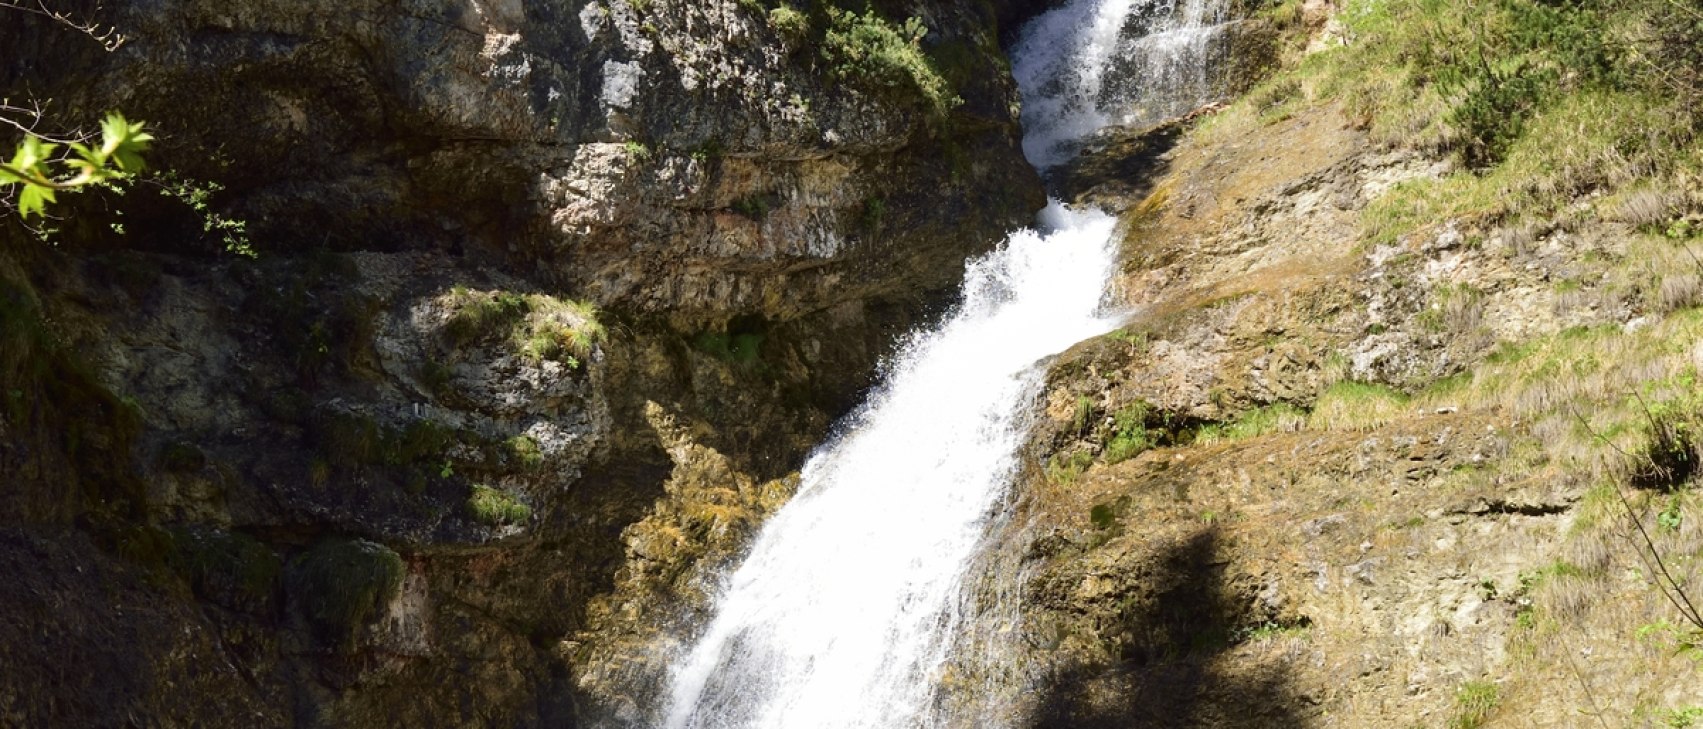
[
  {"x": 1119, "y": 167},
  {"x": 1175, "y": 669}
]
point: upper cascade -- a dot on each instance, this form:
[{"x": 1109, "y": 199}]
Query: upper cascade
[{"x": 1128, "y": 62}]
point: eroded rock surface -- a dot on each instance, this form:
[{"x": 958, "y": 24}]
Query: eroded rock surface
[{"x": 523, "y": 269}]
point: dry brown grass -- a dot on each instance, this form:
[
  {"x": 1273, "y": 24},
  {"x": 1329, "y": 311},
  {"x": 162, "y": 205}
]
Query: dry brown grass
[
  {"x": 1665, "y": 275},
  {"x": 1646, "y": 207}
]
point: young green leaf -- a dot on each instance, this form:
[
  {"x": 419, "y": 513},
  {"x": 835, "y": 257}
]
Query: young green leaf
[
  {"x": 30, "y": 155},
  {"x": 124, "y": 142},
  {"x": 32, "y": 199}
]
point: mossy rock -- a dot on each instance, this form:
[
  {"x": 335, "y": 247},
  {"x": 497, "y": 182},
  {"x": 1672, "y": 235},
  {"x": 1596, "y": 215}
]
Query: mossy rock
[
  {"x": 182, "y": 458},
  {"x": 227, "y": 568},
  {"x": 339, "y": 585},
  {"x": 52, "y": 399}
]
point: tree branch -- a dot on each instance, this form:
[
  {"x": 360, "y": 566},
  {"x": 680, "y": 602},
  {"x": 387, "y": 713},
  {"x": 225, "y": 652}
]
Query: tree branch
[{"x": 110, "y": 38}]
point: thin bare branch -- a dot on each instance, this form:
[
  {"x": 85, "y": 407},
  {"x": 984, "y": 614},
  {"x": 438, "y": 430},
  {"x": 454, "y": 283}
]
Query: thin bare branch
[
  {"x": 28, "y": 119},
  {"x": 108, "y": 37}
]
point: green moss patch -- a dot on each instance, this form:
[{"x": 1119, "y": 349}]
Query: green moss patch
[
  {"x": 228, "y": 568},
  {"x": 341, "y": 584}
]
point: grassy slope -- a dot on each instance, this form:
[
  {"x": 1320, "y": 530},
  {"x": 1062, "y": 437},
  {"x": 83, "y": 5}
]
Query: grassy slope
[{"x": 1556, "y": 117}]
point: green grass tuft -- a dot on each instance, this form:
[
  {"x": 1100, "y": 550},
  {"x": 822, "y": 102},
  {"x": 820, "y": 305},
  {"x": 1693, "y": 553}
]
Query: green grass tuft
[
  {"x": 1130, "y": 436},
  {"x": 535, "y": 326},
  {"x": 1351, "y": 405},
  {"x": 1065, "y": 469},
  {"x": 491, "y": 507},
  {"x": 1474, "y": 703},
  {"x": 526, "y": 451},
  {"x": 1275, "y": 418}
]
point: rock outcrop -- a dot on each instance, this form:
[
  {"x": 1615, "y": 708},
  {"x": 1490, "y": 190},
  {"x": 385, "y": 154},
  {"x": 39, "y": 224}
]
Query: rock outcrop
[{"x": 517, "y": 263}]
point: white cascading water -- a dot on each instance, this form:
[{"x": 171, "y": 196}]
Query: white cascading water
[
  {"x": 1125, "y": 62},
  {"x": 845, "y": 606},
  {"x": 848, "y": 604}
]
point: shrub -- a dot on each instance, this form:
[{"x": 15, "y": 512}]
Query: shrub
[
  {"x": 791, "y": 24},
  {"x": 41, "y": 170},
  {"x": 229, "y": 568},
  {"x": 869, "y": 51}
]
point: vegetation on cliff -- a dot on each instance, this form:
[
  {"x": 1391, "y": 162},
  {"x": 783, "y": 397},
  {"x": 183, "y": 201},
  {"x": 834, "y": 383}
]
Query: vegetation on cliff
[
  {"x": 413, "y": 369},
  {"x": 866, "y": 49},
  {"x": 340, "y": 583},
  {"x": 1541, "y": 103},
  {"x": 1419, "y": 341}
]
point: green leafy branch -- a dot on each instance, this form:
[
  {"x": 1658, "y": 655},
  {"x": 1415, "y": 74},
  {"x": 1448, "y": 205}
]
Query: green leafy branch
[
  {"x": 43, "y": 170},
  {"x": 232, "y": 232}
]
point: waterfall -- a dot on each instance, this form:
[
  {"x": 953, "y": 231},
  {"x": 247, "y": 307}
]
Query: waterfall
[
  {"x": 847, "y": 606},
  {"x": 1124, "y": 62}
]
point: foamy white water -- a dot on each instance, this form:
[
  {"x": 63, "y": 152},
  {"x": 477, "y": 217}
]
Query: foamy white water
[
  {"x": 845, "y": 610},
  {"x": 1089, "y": 64}
]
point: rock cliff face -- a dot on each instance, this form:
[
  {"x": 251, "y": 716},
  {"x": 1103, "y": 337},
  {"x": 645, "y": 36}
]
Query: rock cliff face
[
  {"x": 551, "y": 298},
  {"x": 518, "y": 263}
]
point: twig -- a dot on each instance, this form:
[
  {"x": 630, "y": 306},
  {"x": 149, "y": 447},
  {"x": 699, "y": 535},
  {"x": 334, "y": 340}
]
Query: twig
[
  {"x": 1584, "y": 684},
  {"x": 35, "y": 113},
  {"x": 110, "y": 39},
  {"x": 1674, "y": 593},
  {"x": 83, "y": 178}
]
